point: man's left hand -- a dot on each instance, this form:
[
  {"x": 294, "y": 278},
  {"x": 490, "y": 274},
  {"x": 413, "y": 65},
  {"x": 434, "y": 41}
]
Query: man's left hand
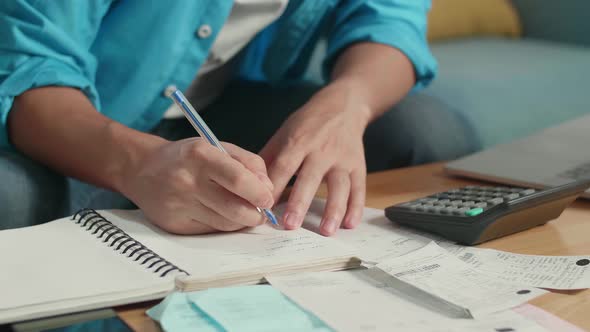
[{"x": 322, "y": 141}]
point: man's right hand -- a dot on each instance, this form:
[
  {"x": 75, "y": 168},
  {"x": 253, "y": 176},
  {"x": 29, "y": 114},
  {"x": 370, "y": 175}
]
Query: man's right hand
[
  {"x": 185, "y": 187},
  {"x": 191, "y": 187}
]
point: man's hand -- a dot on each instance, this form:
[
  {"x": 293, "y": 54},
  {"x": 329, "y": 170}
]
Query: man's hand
[
  {"x": 190, "y": 187},
  {"x": 322, "y": 141}
]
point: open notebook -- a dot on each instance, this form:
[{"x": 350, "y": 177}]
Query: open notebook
[{"x": 116, "y": 257}]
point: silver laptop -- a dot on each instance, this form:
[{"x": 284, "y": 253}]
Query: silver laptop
[{"x": 549, "y": 158}]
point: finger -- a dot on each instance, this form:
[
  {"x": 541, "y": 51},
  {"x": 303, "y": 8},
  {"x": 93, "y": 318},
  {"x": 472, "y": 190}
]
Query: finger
[
  {"x": 270, "y": 150},
  {"x": 338, "y": 182},
  {"x": 210, "y": 218},
  {"x": 282, "y": 170},
  {"x": 235, "y": 177},
  {"x": 232, "y": 208},
  {"x": 187, "y": 226},
  {"x": 252, "y": 161},
  {"x": 356, "y": 201},
  {"x": 308, "y": 180}
]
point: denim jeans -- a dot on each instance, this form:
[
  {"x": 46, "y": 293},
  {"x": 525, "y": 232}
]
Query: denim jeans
[{"x": 418, "y": 130}]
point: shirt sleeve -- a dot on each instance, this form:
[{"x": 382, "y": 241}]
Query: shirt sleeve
[
  {"x": 397, "y": 23},
  {"x": 46, "y": 43}
]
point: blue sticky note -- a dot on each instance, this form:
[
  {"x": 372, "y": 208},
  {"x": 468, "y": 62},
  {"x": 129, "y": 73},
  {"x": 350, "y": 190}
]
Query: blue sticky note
[
  {"x": 255, "y": 308},
  {"x": 177, "y": 313}
]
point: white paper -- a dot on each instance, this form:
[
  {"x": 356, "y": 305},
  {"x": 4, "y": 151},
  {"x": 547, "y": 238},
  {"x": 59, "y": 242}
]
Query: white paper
[
  {"x": 356, "y": 301},
  {"x": 555, "y": 272},
  {"x": 438, "y": 272}
]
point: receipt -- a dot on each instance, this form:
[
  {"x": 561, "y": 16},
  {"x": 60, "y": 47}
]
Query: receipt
[
  {"x": 555, "y": 272},
  {"x": 439, "y": 273},
  {"x": 364, "y": 301}
]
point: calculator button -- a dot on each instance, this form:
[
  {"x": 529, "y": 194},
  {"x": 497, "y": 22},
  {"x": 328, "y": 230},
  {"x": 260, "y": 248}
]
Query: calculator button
[
  {"x": 444, "y": 201},
  {"x": 450, "y": 210},
  {"x": 456, "y": 202},
  {"x": 469, "y": 204},
  {"x": 461, "y": 211},
  {"x": 527, "y": 192},
  {"x": 413, "y": 206},
  {"x": 481, "y": 204},
  {"x": 497, "y": 200},
  {"x": 473, "y": 212},
  {"x": 512, "y": 196},
  {"x": 454, "y": 191}
]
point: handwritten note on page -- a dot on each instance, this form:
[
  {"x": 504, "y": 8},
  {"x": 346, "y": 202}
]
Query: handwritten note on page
[{"x": 438, "y": 272}]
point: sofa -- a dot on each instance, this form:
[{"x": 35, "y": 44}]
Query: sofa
[
  {"x": 511, "y": 87},
  {"x": 513, "y": 77}
]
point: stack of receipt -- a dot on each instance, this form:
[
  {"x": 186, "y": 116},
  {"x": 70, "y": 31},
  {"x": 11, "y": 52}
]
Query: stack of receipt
[{"x": 412, "y": 281}]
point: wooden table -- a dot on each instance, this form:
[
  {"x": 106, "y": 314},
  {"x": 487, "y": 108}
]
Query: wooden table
[{"x": 568, "y": 235}]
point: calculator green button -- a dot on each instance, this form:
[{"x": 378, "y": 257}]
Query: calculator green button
[{"x": 474, "y": 212}]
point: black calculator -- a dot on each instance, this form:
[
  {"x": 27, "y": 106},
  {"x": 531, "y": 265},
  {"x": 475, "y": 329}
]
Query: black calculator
[{"x": 476, "y": 214}]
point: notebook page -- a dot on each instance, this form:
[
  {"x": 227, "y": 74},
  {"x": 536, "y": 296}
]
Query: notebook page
[
  {"x": 60, "y": 260},
  {"x": 250, "y": 250}
]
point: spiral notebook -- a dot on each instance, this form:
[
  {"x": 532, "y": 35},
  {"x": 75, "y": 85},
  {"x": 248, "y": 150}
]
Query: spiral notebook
[{"x": 107, "y": 258}]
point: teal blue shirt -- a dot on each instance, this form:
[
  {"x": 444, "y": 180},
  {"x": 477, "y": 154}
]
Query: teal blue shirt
[{"x": 123, "y": 54}]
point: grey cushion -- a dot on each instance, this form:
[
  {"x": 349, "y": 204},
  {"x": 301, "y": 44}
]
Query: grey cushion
[
  {"x": 559, "y": 20},
  {"x": 511, "y": 88}
]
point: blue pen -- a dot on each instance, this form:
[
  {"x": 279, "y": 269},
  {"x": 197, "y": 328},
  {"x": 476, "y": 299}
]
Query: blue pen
[{"x": 201, "y": 127}]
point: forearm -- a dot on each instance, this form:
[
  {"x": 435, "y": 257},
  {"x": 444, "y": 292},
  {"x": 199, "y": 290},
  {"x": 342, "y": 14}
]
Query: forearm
[
  {"x": 60, "y": 128},
  {"x": 378, "y": 74}
]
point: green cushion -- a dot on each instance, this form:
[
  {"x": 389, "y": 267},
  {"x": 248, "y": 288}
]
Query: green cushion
[{"x": 511, "y": 88}]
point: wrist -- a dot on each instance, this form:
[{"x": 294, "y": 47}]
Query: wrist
[
  {"x": 130, "y": 150},
  {"x": 354, "y": 92}
]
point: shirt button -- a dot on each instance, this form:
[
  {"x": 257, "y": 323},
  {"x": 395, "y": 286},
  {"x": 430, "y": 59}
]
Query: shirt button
[
  {"x": 169, "y": 90},
  {"x": 204, "y": 31}
]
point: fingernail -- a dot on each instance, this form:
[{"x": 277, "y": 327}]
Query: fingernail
[
  {"x": 329, "y": 226},
  {"x": 351, "y": 222},
  {"x": 291, "y": 220},
  {"x": 264, "y": 178}
]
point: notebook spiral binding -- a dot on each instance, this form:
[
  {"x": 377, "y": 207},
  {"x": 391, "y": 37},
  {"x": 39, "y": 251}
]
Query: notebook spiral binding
[{"x": 93, "y": 222}]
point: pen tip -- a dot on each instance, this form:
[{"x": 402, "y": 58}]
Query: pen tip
[{"x": 271, "y": 217}]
